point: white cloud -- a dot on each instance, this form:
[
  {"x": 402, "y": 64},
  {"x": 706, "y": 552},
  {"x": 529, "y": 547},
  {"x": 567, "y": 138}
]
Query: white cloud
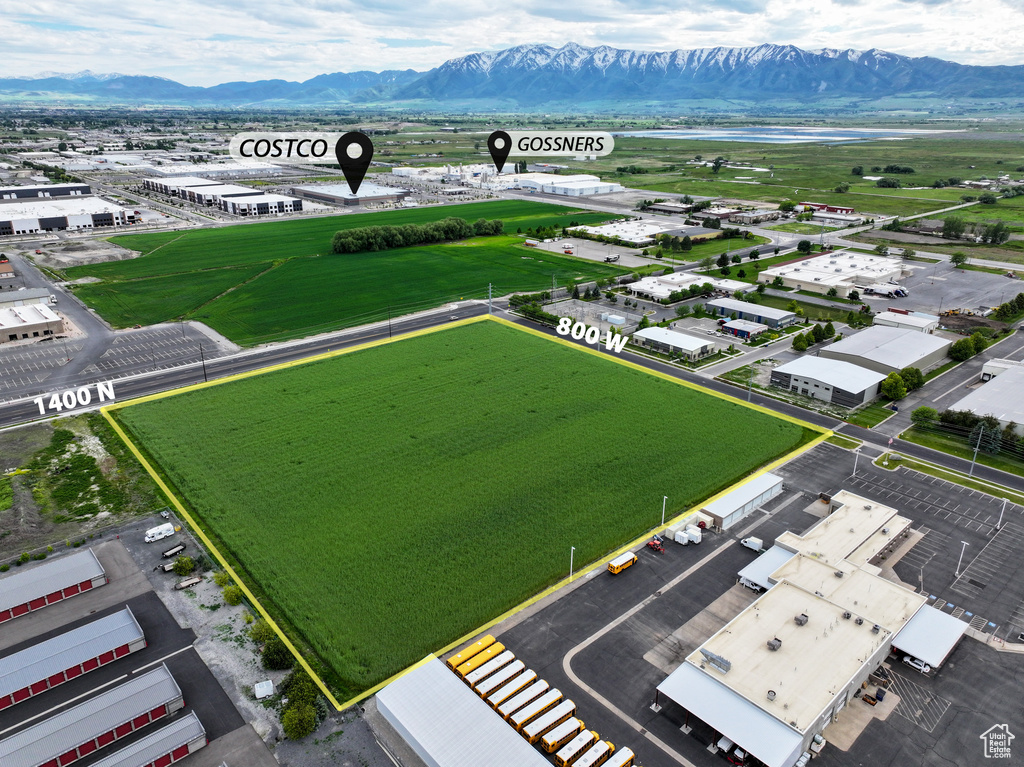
[{"x": 204, "y": 42}]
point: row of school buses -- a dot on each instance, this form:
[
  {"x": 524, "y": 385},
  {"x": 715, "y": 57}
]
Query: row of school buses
[{"x": 538, "y": 713}]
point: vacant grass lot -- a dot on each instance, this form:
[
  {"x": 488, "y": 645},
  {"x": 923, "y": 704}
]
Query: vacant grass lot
[
  {"x": 390, "y": 500},
  {"x": 284, "y": 278}
]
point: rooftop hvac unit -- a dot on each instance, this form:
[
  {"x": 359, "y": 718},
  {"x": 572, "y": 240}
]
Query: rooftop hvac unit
[
  {"x": 774, "y": 644},
  {"x": 859, "y": 621},
  {"x": 839, "y": 573},
  {"x": 885, "y": 531},
  {"x": 867, "y": 507},
  {"x": 717, "y": 661},
  {"x": 771, "y": 695},
  {"x": 839, "y": 268},
  {"x": 875, "y": 629},
  {"x": 801, "y": 619},
  {"x": 846, "y": 615}
]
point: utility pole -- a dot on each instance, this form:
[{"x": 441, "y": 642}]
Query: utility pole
[
  {"x": 490, "y": 295},
  {"x": 203, "y": 359},
  {"x": 572, "y": 552},
  {"x": 856, "y": 455},
  {"x": 999, "y": 524},
  {"x": 664, "y": 500},
  {"x": 389, "y": 320},
  {"x": 981, "y": 430},
  {"x": 750, "y": 381}
]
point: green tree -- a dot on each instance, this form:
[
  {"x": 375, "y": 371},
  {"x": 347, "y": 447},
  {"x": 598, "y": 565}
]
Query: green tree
[
  {"x": 260, "y": 631},
  {"x": 276, "y": 656},
  {"x": 576, "y": 291},
  {"x": 804, "y": 246},
  {"x": 842, "y": 188},
  {"x": 818, "y": 332},
  {"x": 777, "y": 282},
  {"x": 893, "y": 387},
  {"x": 682, "y": 311},
  {"x": 800, "y": 342},
  {"x": 854, "y": 295},
  {"x": 787, "y": 206},
  {"x": 644, "y": 322},
  {"x": 184, "y": 565},
  {"x": 913, "y": 378},
  {"x": 62, "y": 146},
  {"x": 830, "y": 330},
  {"x": 723, "y": 261},
  {"x": 832, "y": 292},
  {"x": 882, "y": 249},
  {"x": 924, "y": 416},
  {"x": 987, "y": 198},
  {"x": 953, "y": 227},
  {"x": 908, "y": 253},
  {"x": 958, "y": 259},
  {"x": 979, "y": 342},
  {"x": 717, "y": 164},
  {"x": 736, "y": 258},
  {"x": 707, "y": 263},
  {"x": 761, "y": 288},
  {"x": 858, "y": 170},
  {"x": 233, "y": 595},
  {"x": 298, "y": 721},
  {"x": 962, "y": 350},
  {"x": 888, "y": 183},
  {"x": 753, "y": 254},
  {"x": 687, "y": 244}
]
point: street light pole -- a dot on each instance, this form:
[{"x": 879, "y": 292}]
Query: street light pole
[
  {"x": 572, "y": 552},
  {"x": 856, "y": 455},
  {"x": 999, "y": 524},
  {"x": 664, "y": 500},
  {"x": 960, "y": 561},
  {"x": 203, "y": 359},
  {"x": 981, "y": 430}
]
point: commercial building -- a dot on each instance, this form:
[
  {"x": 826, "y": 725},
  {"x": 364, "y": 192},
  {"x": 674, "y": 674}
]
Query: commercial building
[
  {"x": 754, "y": 216},
  {"x": 765, "y": 315},
  {"x": 720, "y": 213},
  {"x": 167, "y": 745},
  {"x": 100, "y": 720},
  {"x": 671, "y": 208},
  {"x": 35, "y": 587},
  {"x": 66, "y": 656},
  {"x": 233, "y": 168},
  {"x": 992, "y": 368},
  {"x": 837, "y": 219},
  {"x": 25, "y": 297},
  {"x": 901, "y": 318},
  {"x": 449, "y": 725},
  {"x": 775, "y": 677},
  {"x": 340, "y": 194},
  {"x": 33, "y": 321},
  {"x": 6, "y": 268},
  {"x": 673, "y": 343},
  {"x": 231, "y": 198},
  {"x": 1001, "y": 397},
  {"x": 663, "y": 286},
  {"x": 823, "y": 208},
  {"x": 695, "y": 233},
  {"x": 889, "y": 349},
  {"x": 576, "y": 185},
  {"x": 744, "y": 500},
  {"x": 43, "y": 191},
  {"x": 61, "y": 214},
  {"x": 744, "y": 329},
  {"x": 636, "y": 233},
  {"x": 266, "y": 204},
  {"x": 843, "y": 270},
  {"x": 840, "y": 383}
]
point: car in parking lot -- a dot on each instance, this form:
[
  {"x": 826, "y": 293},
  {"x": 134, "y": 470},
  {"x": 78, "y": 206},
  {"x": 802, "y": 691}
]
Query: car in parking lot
[{"x": 917, "y": 664}]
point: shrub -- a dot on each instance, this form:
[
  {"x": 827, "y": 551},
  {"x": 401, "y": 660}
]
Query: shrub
[
  {"x": 221, "y": 578},
  {"x": 261, "y": 632},
  {"x": 300, "y": 689},
  {"x": 924, "y": 415},
  {"x": 184, "y": 565},
  {"x": 804, "y": 246},
  {"x": 203, "y": 563},
  {"x": 962, "y": 350},
  {"x": 298, "y": 721},
  {"x": 233, "y": 595},
  {"x": 893, "y": 387},
  {"x": 276, "y": 656},
  {"x": 4, "y": 568}
]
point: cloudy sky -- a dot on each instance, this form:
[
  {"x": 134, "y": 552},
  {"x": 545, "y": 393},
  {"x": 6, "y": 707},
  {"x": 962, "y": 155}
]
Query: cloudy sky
[{"x": 204, "y": 42}]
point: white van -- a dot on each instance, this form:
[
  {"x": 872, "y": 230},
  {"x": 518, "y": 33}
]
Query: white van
[{"x": 159, "y": 533}]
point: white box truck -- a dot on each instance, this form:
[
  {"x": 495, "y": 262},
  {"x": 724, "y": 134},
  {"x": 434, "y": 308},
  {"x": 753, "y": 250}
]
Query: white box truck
[
  {"x": 160, "y": 532},
  {"x": 755, "y": 544}
]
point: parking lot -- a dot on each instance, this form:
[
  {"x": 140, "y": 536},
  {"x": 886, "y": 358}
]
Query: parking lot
[
  {"x": 592, "y": 642},
  {"x": 935, "y": 287},
  {"x": 24, "y": 368}
]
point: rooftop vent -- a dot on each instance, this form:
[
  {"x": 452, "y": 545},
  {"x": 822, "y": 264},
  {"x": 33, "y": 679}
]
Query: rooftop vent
[
  {"x": 774, "y": 644},
  {"x": 859, "y": 621},
  {"x": 839, "y": 573},
  {"x": 771, "y": 695},
  {"x": 885, "y": 531},
  {"x": 800, "y": 619},
  {"x": 867, "y": 506},
  {"x": 875, "y": 629},
  {"x": 846, "y": 615}
]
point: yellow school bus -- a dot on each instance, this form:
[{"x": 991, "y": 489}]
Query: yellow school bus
[
  {"x": 558, "y": 736},
  {"x": 623, "y": 758},
  {"x": 597, "y": 754},
  {"x": 480, "y": 659},
  {"x": 551, "y": 718},
  {"x": 621, "y": 562},
  {"x": 516, "y": 702},
  {"x": 461, "y": 657},
  {"x": 574, "y": 749},
  {"x": 535, "y": 708},
  {"x": 494, "y": 664},
  {"x": 499, "y": 678},
  {"x": 513, "y": 686}
]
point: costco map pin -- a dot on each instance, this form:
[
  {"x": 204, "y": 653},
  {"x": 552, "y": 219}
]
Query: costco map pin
[
  {"x": 499, "y": 144},
  {"x": 354, "y": 151}
]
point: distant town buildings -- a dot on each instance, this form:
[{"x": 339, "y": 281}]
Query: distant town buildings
[{"x": 231, "y": 198}]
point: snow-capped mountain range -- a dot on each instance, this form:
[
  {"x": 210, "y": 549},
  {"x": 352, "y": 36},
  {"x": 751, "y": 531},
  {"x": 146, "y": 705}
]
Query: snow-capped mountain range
[{"x": 532, "y": 76}]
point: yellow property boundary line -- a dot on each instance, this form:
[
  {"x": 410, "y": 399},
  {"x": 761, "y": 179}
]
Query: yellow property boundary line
[{"x": 180, "y": 508}]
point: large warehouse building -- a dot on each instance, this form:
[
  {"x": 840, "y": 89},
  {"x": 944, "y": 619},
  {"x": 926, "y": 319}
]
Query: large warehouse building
[
  {"x": 1001, "y": 397},
  {"x": 231, "y": 198},
  {"x": 43, "y": 191},
  {"x": 900, "y": 318},
  {"x": 744, "y": 500},
  {"x": 844, "y": 271},
  {"x": 340, "y": 194},
  {"x": 776, "y": 676},
  {"x": 61, "y": 214},
  {"x": 663, "y": 286},
  {"x": 840, "y": 383},
  {"x": 575, "y": 185},
  {"x": 674, "y": 343},
  {"x": 766, "y": 315},
  {"x": 889, "y": 349},
  {"x": 32, "y": 321},
  {"x": 33, "y": 588}
]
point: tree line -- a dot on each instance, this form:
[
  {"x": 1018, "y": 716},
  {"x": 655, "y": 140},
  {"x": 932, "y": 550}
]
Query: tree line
[{"x": 373, "y": 238}]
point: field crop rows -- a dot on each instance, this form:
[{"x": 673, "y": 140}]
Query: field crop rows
[
  {"x": 387, "y": 501},
  {"x": 285, "y": 280}
]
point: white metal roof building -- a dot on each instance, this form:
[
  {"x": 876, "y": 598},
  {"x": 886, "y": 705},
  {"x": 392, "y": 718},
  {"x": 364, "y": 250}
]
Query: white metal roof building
[
  {"x": 32, "y": 321},
  {"x": 37, "y": 586},
  {"x": 923, "y": 323},
  {"x": 765, "y": 315},
  {"x": 992, "y": 368},
  {"x": 1002, "y": 397},
  {"x": 843, "y": 271},
  {"x": 61, "y": 213},
  {"x": 757, "y": 575},
  {"x": 638, "y": 233},
  {"x": 448, "y": 725},
  {"x": 174, "y": 741},
  {"x": 835, "y": 381},
  {"x": 671, "y": 342},
  {"x": 98, "y": 721},
  {"x": 744, "y": 328},
  {"x": 340, "y": 194},
  {"x": 61, "y": 658},
  {"x": 752, "y": 494},
  {"x": 889, "y": 349},
  {"x": 24, "y": 297},
  {"x": 930, "y": 635}
]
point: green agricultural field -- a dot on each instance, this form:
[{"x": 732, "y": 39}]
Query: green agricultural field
[
  {"x": 387, "y": 501},
  {"x": 272, "y": 281}
]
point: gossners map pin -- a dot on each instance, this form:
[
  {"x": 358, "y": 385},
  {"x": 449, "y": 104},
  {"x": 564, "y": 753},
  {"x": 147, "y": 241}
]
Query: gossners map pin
[
  {"x": 354, "y": 151},
  {"x": 499, "y": 144}
]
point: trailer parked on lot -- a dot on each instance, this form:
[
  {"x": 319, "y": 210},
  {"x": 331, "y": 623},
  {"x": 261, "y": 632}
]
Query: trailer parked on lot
[
  {"x": 188, "y": 583},
  {"x": 173, "y": 551}
]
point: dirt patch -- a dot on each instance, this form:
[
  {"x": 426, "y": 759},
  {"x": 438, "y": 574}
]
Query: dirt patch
[
  {"x": 968, "y": 323},
  {"x": 68, "y": 254}
]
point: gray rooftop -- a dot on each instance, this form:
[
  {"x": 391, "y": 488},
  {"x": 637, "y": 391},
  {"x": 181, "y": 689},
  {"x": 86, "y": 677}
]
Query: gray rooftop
[
  {"x": 146, "y": 751},
  {"x": 448, "y": 725},
  {"x": 86, "y": 721},
  {"x": 895, "y": 347},
  {"x": 43, "y": 660},
  {"x": 1002, "y": 397},
  {"x": 732, "y": 305},
  {"x": 834, "y": 373},
  {"x": 28, "y": 294},
  {"x": 53, "y": 575}
]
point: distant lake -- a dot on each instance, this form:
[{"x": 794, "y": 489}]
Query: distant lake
[{"x": 782, "y": 134}]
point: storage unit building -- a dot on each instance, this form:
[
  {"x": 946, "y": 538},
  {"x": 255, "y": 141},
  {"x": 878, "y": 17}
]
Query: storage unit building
[
  {"x": 448, "y": 725},
  {"x": 840, "y": 383},
  {"x": 77, "y": 732},
  {"x": 889, "y": 349},
  {"x": 766, "y": 315},
  {"x": 35, "y": 587},
  {"x": 166, "y": 746},
  {"x": 671, "y": 342},
  {"x": 734, "y": 506},
  {"x": 47, "y": 664}
]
